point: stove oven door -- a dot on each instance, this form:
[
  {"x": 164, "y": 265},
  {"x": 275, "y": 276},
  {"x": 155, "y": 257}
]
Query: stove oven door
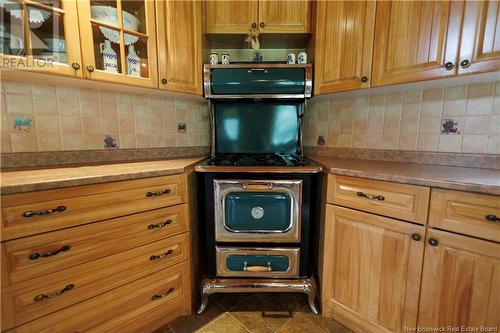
[
  {"x": 258, "y": 210},
  {"x": 258, "y": 262}
]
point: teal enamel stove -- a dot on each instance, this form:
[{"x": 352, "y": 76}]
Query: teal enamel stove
[{"x": 257, "y": 223}]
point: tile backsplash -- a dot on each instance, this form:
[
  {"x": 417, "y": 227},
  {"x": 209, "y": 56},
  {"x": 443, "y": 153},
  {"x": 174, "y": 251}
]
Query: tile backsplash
[
  {"x": 461, "y": 119},
  {"x": 42, "y": 117}
]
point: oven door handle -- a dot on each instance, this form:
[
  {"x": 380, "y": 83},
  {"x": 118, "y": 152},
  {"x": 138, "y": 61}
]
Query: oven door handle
[
  {"x": 268, "y": 186},
  {"x": 247, "y": 268}
]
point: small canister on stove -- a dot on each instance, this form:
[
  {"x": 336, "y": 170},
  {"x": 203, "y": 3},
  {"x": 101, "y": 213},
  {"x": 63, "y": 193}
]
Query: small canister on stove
[
  {"x": 214, "y": 58},
  {"x": 225, "y": 58},
  {"x": 302, "y": 58},
  {"x": 290, "y": 59}
]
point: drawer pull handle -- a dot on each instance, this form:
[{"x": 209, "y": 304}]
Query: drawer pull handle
[
  {"x": 416, "y": 237},
  {"x": 247, "y": 268},
  {"x": 37, "y": 255},
  {"x": 161, "y": 256},
  {"x": 371, "y": 196},
  {"x": 159, "y": 225},
  {"x": 433, "y": 242},
  {"x": 155, "y": 194},
  {"x": 156, "y": 296},
  {"x": 41, "y": 297},
  {"x": 492, "y": 218},
  {"x": 31, "y": 213}
]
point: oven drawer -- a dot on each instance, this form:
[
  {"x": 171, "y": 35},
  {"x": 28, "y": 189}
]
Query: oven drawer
[
  {"x": 257, "y": 262},
  {"x": 257, "y": 211}
]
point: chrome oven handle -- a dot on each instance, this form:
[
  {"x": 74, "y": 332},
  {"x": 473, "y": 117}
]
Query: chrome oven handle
[
  {"x": 267, "y": 268},
  {"x": 245, "y": 185}
]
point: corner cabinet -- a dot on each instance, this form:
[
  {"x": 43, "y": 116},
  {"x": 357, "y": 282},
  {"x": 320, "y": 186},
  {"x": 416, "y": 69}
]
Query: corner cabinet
[
  {"x": 343, "y": 42},
  {"x": 179, "y": 26},
  {"x": 47, "y": 42},
  {"x": 119, "y": 41}
]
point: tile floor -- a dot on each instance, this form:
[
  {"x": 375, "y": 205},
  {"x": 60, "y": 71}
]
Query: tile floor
[{"x": 260, "y": 313}]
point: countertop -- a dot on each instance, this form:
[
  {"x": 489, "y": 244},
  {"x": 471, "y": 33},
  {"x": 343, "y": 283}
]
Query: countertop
[
  {"x": 44, "y": 179},
  {"x": 449, "y": 177}
]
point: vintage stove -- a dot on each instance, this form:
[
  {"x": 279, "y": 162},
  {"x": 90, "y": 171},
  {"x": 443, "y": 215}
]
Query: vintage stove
[{"x": 259, "y": 193}]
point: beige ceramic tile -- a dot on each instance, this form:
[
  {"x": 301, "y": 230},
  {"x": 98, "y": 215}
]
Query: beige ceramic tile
[
  {"x": 157, "y": 140},
  {"x": 494, "y": 125},
  {"x": 38, "y": 89},
  {"x": 376, "y": 112},
  {"x": 359, "y": 140},
  {"x": 223, "y": 324},
  {"x": 70, "y": 124},
  {"x": 90, "y": 108},
  {"x": 143, "y": 140},
  {"x": 19, "y": 103},
  {"x": 481, "y": 90},
  {"x": 169, "y": 140},
  {"x": 323, "y": 128},
  {"x": 346, "y": 126},
  {"x": 345, "y": 141},
  {"x": 493, "y": 144},
  {"x": 456, "y": 92},
  {"x": 377, "y": 100},
  {"x": 107, "y": 97},
  {"x": 391, "y": 126},
  {"x": 68, "y": 107},
  {"x": 433, "y": 94},
  {"x": 430, "y": 125},
  {"x": 474, "y": 144},
  {"x": 373, "y": 141},
  {"x": 93, "y": 141},
  {"x": 23, "y": 142},
  {"x": 432, "y": 108},
  {"x": 155, "y": 101},
  {"x": 49, "y": 142},
  {"x": 109, "y": 125},
  {"x": 410, "y": 111},
  {"x": 108, "y": 110},
  {"x": 73, "y": 141},
  {"x": 45, "y": 104},
  {"x": 91, "y": 125},
  {"x": 127, "y": 140},
  {"x": 67, "y": 93},
  {"x": 299, "y": 325},
  {"x": 47, "y": 125},
  {"x": 479, "y": 106},
  {"x": 450, "y": 143},
  {"x": 192, "y": 140},
  {"x": 414, "y": 96},
  {"x": 332, "y": 140},
  {"x": 389, "y": 141},
  {"x": 181, "y": 140},
  {"x": 409, "y": 126},
  {"x": 17, "y": 87},
  {"x": 477, "y": 125},
  {"x": 427, "y": 142},
  {"x": 408, "y": 142},
  {"x": 455, "y": 107},
  {"x": 125, "y": 99},
  {"x": 89, "y": 94}
]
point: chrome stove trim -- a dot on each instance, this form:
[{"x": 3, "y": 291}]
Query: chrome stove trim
[
  {"x": 207, "y": 81},
  {"x": 291, "y": 253},
  {"x": 291, "y": 187},
  {"x": 212, "y": 286}
]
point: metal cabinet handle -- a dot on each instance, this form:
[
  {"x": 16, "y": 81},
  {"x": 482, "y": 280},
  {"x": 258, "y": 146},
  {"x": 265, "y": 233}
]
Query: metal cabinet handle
[
  {"x": 75, "y": 65},
  {"x": 90, "y": 68},
  {"x": 37, "y": 255},
  {"x": 159, "y": 225},
  {"x": 247, "y": 268},
  {"x": 364, "y": 79},
  {"x": 492, "y": 218},
  {"x": 371, "y": 196},
  {"x": 258, "y": 70},
  {"x": 465, "y": 63},
  {"x": 164, "y": 81},
  {"x": 161, "y": 256},
  {"x": 449, "y": 66},
  {"x": 254, "y": 25},
  {"x": 155, "y": 194},
  {"x": 31, "y": 213},
  {"x": 158, "y": 296},
  {"x": 41, "y": 297},
  {"x": 416, "y": 237},
  {"x": 433, "y": 242},
  {"x": 262, "y": 25}
]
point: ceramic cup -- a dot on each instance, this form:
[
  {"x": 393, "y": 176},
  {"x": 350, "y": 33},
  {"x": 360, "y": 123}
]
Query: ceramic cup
[
  {"x": 302, "y": 58},
  {"x": 290, "y": 59},
  {"x": 214, "y": 58},
  {"x": 225, "y": 58}
]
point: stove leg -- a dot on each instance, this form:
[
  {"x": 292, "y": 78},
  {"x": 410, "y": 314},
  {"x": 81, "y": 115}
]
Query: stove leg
[
  {"x": 310, "y": 290},
  {"x": 206, "y": 289}
]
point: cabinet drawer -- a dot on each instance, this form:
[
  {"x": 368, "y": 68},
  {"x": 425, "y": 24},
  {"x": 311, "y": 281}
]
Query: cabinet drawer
[
  {"x": 113, "y": 308},
  {"x": 401, "y": 201},
  {"x": 35, "y": 256},
  {"x": 466, "y": 213},
  {"x": 38, "y": 297},
  {"x": 36, "y": 212}
]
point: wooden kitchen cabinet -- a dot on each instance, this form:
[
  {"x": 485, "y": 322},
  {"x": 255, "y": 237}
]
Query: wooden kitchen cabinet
[
  {"x": 371, "y": 270},
  {"x": 180, "y": 45},
  {"x": 480, "y": 42},
  {"x": 119, "y": 41},
  {"x": 460, "y": 281},
  {"x": 230, "y": 17},
  {"x": 49, "y": 44},
  {"x": 343, "y": 43},
  {"x": 415, "y": 41}
]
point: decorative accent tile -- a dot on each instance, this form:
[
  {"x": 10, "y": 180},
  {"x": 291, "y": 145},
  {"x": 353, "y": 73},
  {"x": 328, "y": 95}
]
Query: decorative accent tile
[
  {"x": 110, "y": 142},
  {"x": 22, "y": 124},
  {"x": 449, "y": 126},
  {"x": 182, "y": 128}
]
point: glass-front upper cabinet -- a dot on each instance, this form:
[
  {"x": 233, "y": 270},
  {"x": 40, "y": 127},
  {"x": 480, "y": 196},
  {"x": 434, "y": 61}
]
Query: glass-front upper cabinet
[
  {"x": 119, "y": 41},
  {"x": 40, "y": 36}
]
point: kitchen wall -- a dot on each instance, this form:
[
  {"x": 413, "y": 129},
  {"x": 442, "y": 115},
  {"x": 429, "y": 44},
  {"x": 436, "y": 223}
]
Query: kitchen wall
[
  {"x": 43, "y": 117},
  {"x": 461, "y": 119}
]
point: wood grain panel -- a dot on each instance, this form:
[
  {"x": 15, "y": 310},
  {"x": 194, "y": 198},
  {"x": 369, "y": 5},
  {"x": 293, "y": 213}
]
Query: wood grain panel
[
  {"x": 402, "y": 201},
  {"x": 89, "y": 242},
  {"x": 230, "y": 17},
  {"x": 480, "y": 44},
  {"x": 90, "y": 279},
  {"x": 87, "y": 204},
  {"x": 460, "y": 282},
  {"x": 285, "y": 16},
  {"x": 344, "y": 41},
  {"x": 371, "y": 270},
  {"x": 180, "y": 33},
  {"x": 414, "y": 40},
  {"x": 465, "y": 213}
]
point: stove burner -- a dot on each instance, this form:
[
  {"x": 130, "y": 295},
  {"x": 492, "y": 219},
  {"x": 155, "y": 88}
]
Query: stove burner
[{"x": 257, "y": 160}]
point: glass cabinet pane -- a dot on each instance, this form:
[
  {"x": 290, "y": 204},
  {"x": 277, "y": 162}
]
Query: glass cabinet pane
[
  {"x": 12, "y": 29},
  {"x": 46, "y": 35},
  {"x": 137, "y": 58},
  {"x": 106, "y": 52}
]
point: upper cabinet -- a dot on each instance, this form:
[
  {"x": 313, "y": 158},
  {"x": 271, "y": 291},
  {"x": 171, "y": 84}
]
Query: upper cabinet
[
  {"x": 415, "y": 41},
  {"x": 180, "y": 45},
  {"x": 343, "y": 43},
  {"x": 119, "y": 41},
  {"x": 480, "y": 44},
  {"x": 41, "y": 36},
  {"x": 231, "y": 17}
]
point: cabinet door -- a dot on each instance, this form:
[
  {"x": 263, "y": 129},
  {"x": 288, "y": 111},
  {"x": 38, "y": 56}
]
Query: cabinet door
[
  {"x": 119, "y": 41},
  {"x": 344, "y": 41},
  {"x": 371, "y": 270},
  {"x": 180, "y": 40},
  {"x": 460, "y": 282},
  {"x": 415, "y": 41},
  {"x": 480, "y": 45},
  {"x": 41, "y": 36},
  {"x": 230, "y": 17},
  {"x": 281, "y": 16}
]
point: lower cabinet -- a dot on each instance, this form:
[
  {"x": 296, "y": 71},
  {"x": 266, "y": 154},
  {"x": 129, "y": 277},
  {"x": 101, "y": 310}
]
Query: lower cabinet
[{"x": 371, "y": 270}]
